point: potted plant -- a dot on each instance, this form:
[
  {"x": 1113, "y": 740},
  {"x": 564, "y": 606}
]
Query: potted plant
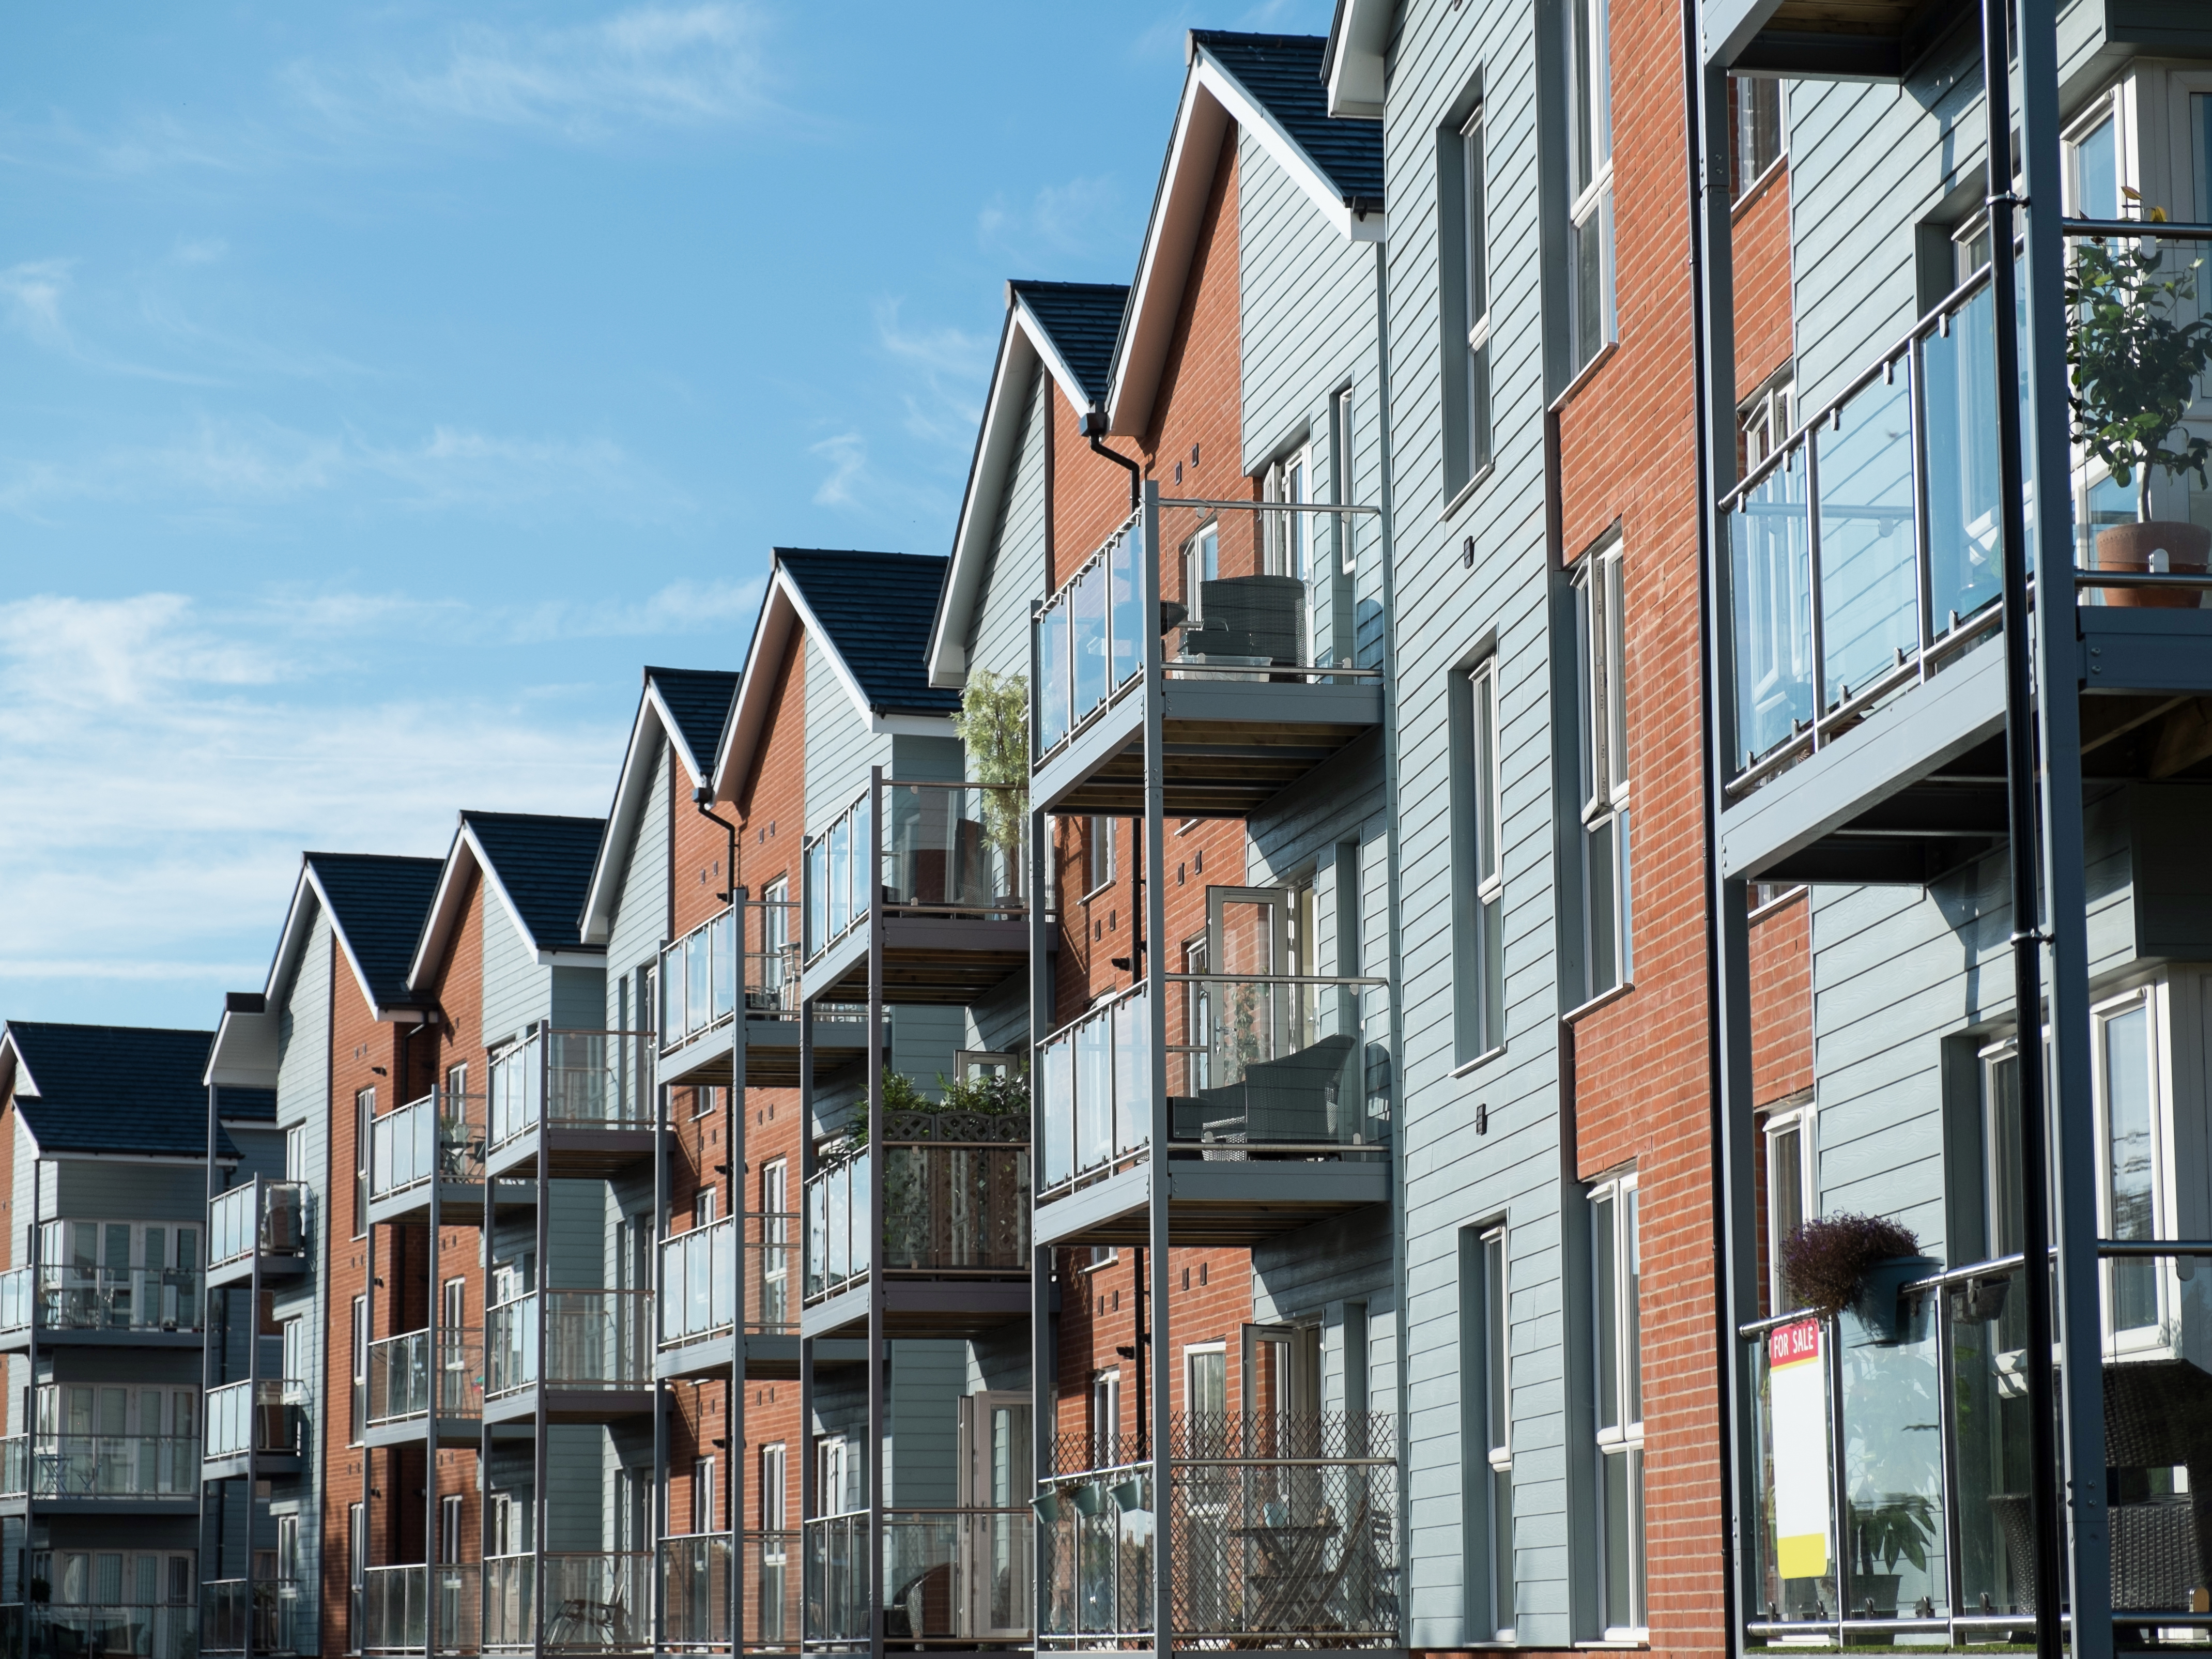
[
  {"x": 2133, "y": 360},
  {"x": 1859, "y": 1263},
  {"x": 994, "y": 722},
  {"x": 1899, "y": 1528}
]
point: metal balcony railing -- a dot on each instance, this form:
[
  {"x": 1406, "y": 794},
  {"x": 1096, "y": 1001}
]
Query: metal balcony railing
[
  {"x": 440, "y": 1134},
  {"x": 282, "y": 1228},
  {"x": 740, "y": 1266},
  {"x": 1277, "y": 1066},
  {"x": 953, "y": 849},
  {"x": 99, "y": 1466},
  {"x": 231, "y": 1609},
  {"x": 84, "y": 1298},
  {"x": 275, "y": 1423},
  {"x": 1894, "y": 1455},
  {"x": 56, "y": 1629},
  {"x": 400, "y": 1605},
  {"x": 704, "y": 978},
  {"x": 593, "y": 1340},
  {"x": 696, "y": 1582},
  {"x": 572, "y": 1080},
  {"x": 595, "y": 1601},
  {"x": 952, "y": 1577},
  {"x": 1864, "y": 554},
  {"x": 404, "y": 1371},
  {"x": 956, "y": 1201},
  {"x": 1282, "y": 1527}
]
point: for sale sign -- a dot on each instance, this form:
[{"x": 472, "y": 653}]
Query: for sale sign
[{"x": 1797, "y": 1395}]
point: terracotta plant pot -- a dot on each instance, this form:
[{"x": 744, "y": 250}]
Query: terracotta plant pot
[{"x": 2187, "y": 547}]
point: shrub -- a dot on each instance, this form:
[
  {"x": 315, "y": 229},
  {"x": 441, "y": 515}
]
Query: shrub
[{"x": 1824, "y": 1260}]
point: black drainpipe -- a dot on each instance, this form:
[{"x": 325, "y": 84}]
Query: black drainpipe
[{"x": 1094, "y": 427}]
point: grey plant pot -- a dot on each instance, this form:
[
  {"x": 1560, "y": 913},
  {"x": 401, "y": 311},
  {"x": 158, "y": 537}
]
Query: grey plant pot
[{"x": 1880, "y": 1308}]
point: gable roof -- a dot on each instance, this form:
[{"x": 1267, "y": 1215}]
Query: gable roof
[
  {"x": 118, "y": 1091},
  {"x": 1070, "y": 328},
  {"x": 689, "y": 706},
  {"x": 538, "y": 867},
  {"x": 871, "y": 613},
  {"x": 1353, "y": 68},
  {"x": 1270, "y": 86},
  {"x": 377, "y": 903}
]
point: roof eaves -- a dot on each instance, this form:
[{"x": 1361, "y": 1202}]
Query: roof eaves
[
  {"x": 987, "y": 475},
  {"x": 1352, "y": 217}
]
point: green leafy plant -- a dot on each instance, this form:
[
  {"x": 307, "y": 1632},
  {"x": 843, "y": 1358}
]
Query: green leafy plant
[
  {"x": 992, "y": 1094},
  {"x": 1899, "y": 1528},
  {"x": 1824, "y": 1260},
  {"x": 901, "y": 1094},
  {"x": 994, "y": 722},
  {"x": 2133, "y": 360}
]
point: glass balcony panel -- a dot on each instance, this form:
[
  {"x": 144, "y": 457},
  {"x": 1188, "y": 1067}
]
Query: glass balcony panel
[
  {"x": 85, "y": 1298},
  {"x": 598, "y": 1602},
  {"x": 721, "y": 933},
  {"x": 772, "y": 1584},
  {"x": 1094, "y": 1092},
  {"x": 1088, "y": 638},
  {"x": 695, "y": 1589},
  {"x": 1958, "y": 406},
  {"x": 1050, "y": 677},
  {"x": 277, "y": 1425},
  {"x": 395, "y": 1609},
  {"x": 230, "y": 1226},
  {"x": 699, "y": 982},
  {"x": 1286, "y": 1063},
  {"x": 675, "y": 973},
  {"x": 1894, "y": 1533},
  {"x": 841, "y": 875},
  {"x": 837, "y": 1579},
  {"x": 954, "y": 1208},
  {"x": 511, "y": 1346},
  {"x": 1055, "y": 1120},
  {"x": 856, "y": 1216},
  {"x": 1771, "y": 578},
  {"x": 837, "y": 1191},
  {"x": 56, "y": 1630},
  {"x": 957, "y": 1575},
  {"x": 1869, "y": 568},
  {"x": 1990, "y": 1422},
  {"x": 510, "y": 1616},
  {"x": 953, "y": 846},
  {"x": 113, "y": 1466},
  {"x": 1126, "y": 605},
  {"x": 230, "y": 1608},
  {"x": 1131, "y": 1038}
]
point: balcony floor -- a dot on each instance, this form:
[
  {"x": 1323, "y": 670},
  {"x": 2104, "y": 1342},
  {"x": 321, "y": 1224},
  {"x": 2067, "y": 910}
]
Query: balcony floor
[
  {"x": 769, "y": 1359},
  {"x": 460, "y": 1203},
  {"x": 275, "y": 1270},
  {"x": 1232, "y": 746},
  {"x": 571, "y": 1153},
  {"x": 52, "y": 1336},
  {"x": 918, "y": 1307},
  {"x": 571, "y": 1405},
  {"x": 270, "y": 1466},
  {"x": 940, "y": 961},
  {"x": 771, "y": 1053},
  {"x": 452, "y": 1431},
  {"x": 1224, "y": 1203}
]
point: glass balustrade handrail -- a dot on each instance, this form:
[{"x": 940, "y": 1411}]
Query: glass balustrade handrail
[
  {"x": 948, "y": 847},
  {"x": 1127, "y": 992},
  {"x": 280, "y": 1208},
  {"x": 573, "y": 1077}
]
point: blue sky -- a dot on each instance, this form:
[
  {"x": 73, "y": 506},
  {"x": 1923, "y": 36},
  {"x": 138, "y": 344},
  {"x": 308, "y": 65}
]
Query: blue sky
[{"x": 385, "y": 384}]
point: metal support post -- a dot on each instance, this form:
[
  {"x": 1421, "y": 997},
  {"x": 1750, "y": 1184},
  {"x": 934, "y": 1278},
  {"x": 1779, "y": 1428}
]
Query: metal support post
[
  {"x": 878, "y": 1355},
  {"x": 660, "y": 1220},
  {"x": 2055, "y": 672},
  {"x": 1044, "y": 1399},
  {"x": 1156, "y": 1015},
  {"x": 809, "y": 1498},
  {"x": 434, "y": 1369},
  {"x": 740, "y": 1173},
  {"x": 540, "y": 1285}
]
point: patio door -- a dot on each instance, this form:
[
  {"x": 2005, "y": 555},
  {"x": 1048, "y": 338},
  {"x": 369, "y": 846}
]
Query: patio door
[
  {"x": 992, "y": 1573},
  {"x": 1282, "y": 1419}
]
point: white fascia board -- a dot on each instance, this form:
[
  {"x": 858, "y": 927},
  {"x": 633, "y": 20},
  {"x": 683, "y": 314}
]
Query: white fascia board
[
  {"x": 621, "y": 821},
  {"x": 820, "y": 635},
  {"x": 170, "y": 1160},
  {"x": 383, "y": 1015},
  {"x": 292, "y": 941},
  {"x": 1048, "y": 352},
  {"x": 749, "y": 709},
  {"x": 1287, "y": 152},
  {"x": 244, "y": 1054},
  {"x": 1163, "y": 269},
  {"x": 910, "y": 726},
  {"x": 25, "y": 1086},
  {"x": 438, "y": 927},
  {"x": 1357, "y": 45},
  {"x": 572, "y": 957},
  {"x": 675, "y": 730},
  {"x": 978, "y": 511}
]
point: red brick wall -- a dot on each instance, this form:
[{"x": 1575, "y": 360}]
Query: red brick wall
[
  {"x": 1782, "y": 1000},
  {"x": 1641, "y": 1074},
  {"x": 1764, "y": 335}
]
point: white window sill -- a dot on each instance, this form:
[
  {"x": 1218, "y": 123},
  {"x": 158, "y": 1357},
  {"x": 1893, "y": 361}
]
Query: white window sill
[
  {"x": 1469, "y": 1067},
  {"x": 1588, "y": 372},
  {"x": 1778, "y": 903},
  {"x": 1599, "y": 1001}
]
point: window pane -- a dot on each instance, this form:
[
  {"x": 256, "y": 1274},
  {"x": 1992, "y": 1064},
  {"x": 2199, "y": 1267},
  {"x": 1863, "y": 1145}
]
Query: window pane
[
  {"x": 1632, "y": 1354},
  {"x": 1478, "y": 301},
  {"x": 2097, "y": 173},
  {"x": 1501, "y": 1550},
  {"x": 1609, "y": 1326},
  {"x": 1604, "y": 955},
  {"x": 1619, "y": 1543},
  {"x": 1495, "y": 1305},
  {"x": 2008, "y": 1223},
  {"x": 2130, "y": 1172},
  {"x": 1785, "y": 1200}
]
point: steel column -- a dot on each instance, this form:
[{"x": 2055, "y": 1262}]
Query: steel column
[
  {"x": 733, "y": 1419},
  {"x": 878, "y": 1358},
  {"x": 1155, "y": 1343}
]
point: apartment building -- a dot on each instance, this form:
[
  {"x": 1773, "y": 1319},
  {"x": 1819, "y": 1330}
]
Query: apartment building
[
  {"x": 1955, "y": 692},
  {"x": 108, "y": 1147}
]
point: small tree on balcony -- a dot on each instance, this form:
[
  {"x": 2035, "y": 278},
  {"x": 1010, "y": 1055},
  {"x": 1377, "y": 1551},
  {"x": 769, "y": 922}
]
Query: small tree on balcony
[
  {"x": 994, "y": 722},
  {"x": 2134, "y": 360}
]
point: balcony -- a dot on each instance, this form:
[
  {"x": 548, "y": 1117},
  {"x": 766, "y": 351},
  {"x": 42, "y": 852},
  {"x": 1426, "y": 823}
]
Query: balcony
[
  {"x": 267, "y": 1420},
  {"x": 597, "y": 1357},
  {"x": 700, "y": 995},
  {"x": 1256, "y": 691},
  {"x": 950, "y": 901},
  {"x": 581, "y": 1101},
  {"x": 264, "y": 1224},
  {"x": 1934, "y": 1540},
  {"x": 699, "y": 1574},
  {"x": 431, "y": 1150},
  {"x": 1862, "y": 601},
  {"x": 400, "y": 1605},
  {"x": 275, "y": 1623},
  {"x": 956, "y": 1579},
  {"x": 595, "y": 1602},
  {"x": 955, "y": 1254},
  {"x": 1282, "y": 1530},
  {"x": 404, "y": 1371},
  {"x": 87, "y": 1306},
  {"x": 728, "y": 1278},
  {"x": 1279, "y": 1095},
  {"x": 72, "y": 1630},
  {"x": 100, "y": 1473}
]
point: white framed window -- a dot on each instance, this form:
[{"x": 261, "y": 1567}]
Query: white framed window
[
  {"x": 296, "y": 1152},
  {"x": 774, "y": 1514},
  {"x": 1341, "y": 470},
  {"x": 1106, "y": 1418},
  {"x": 1288, "y": 537},
  {"x": 1602, "y": 645},
  {"x": 1482, "y": 956},
  {"x": 1791, "y": 1196},
  {"x": 1099, "y": 853},
  {"x": 356, "y": 1569},
  {"x": 1764, "y": 418},
  {"x": 1201, "y": 563},
  {"x": 703, "y": 1512},
  {"x": 1619, "y": 1409},
  {"x": 705, "y": 1204},
  {"x": 294, "y": 1341},
  {"x": 1757, "y": 101},
  {"x": 2098, "y": 177},
  {"x": 503, "y": 1528},
  {"x": 1101, "y": 1255},
  {"x": 838, "y": 1475},
  {"x": 704, "y": 1100},
  {"x": 1205, "y": 1381},
  {"x": 364, "y": 1115},
  {"x": 360, "y": 1367},
  {"x": 288, "y": 1550},
  {"x": 974, "y": 1064},
  {"x": 1495, "y": 1381},
  {"x": 449, "y": 1528},
  {"x": 1473, "y": 238},
  {"x": 1590, "y": 146},
  {"x": 2130, "y": 1097}
]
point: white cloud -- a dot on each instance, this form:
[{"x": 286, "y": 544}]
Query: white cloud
[
  {"x": 1074, "y": 218},
  {"x": 32, "y": 291},
  {"x": 950, "y": 367},
  {"x": 847, "y": 455},
  {"x": 665, "y": 66}
]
